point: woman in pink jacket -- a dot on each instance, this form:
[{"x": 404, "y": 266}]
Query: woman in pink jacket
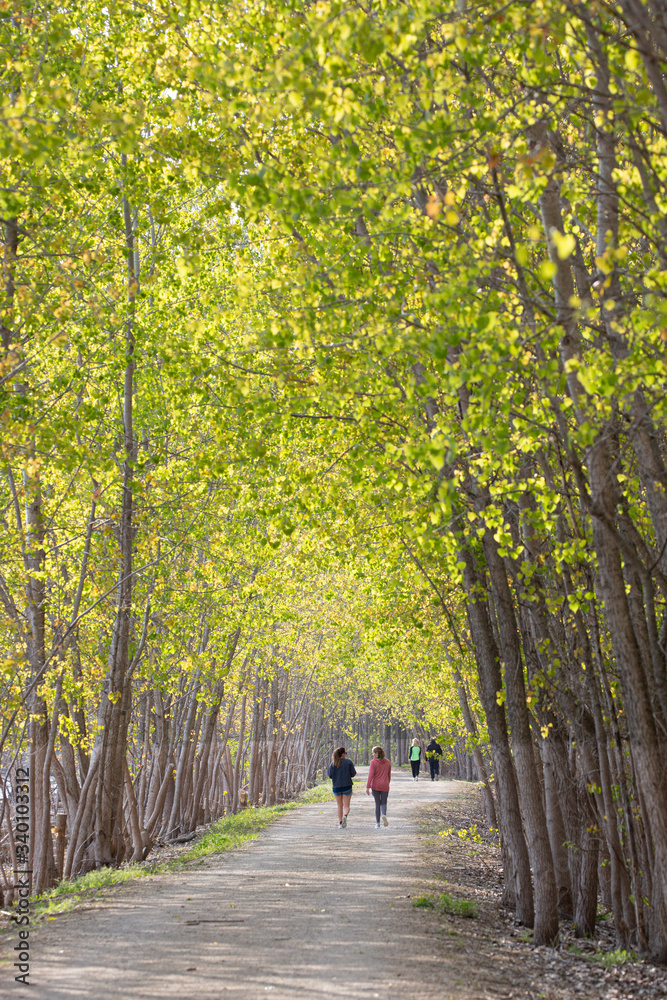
[{"x": 379, "y": 778}]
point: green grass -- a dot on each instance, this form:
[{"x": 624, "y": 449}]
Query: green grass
[
  {"x": 607, "y": 959},
  {"x": 224, "y": 835},
  {"x": 445, "y": 903},
  {"x": 457, "y": 907},
  {"x": 69, "y": 892},
  {"x": 610, "y": 959},
  {"x": 231, "y": 831},
  {"x": 424, "y": 902},
  {"x": 318, "y": 793}
]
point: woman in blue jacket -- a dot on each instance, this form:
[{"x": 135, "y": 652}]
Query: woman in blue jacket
[{"x": 341, "y": 772}]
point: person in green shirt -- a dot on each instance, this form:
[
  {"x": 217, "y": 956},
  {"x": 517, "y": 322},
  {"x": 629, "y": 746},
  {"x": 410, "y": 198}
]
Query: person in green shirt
[{"x": 415, "y": 759}]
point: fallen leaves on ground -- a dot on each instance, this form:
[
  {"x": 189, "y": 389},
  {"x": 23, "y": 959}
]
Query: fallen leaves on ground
[{"x": 493, "y": 957}]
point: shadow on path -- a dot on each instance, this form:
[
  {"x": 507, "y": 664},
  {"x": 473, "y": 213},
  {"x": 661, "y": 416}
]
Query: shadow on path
[{"x": 305, "y": 910}]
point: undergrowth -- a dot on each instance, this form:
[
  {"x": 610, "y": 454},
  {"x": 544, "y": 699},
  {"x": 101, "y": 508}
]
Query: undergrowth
[
  {"x": 444, "y": 903},
  {"x": 607, "y": 959}
]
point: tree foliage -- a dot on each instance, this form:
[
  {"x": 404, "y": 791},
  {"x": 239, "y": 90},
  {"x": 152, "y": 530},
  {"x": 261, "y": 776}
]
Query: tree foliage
[{"x": 333, "y": 366}]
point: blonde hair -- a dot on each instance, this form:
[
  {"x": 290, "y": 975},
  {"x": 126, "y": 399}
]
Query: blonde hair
[
  {"x": 337, "y": 754},
  {"x": 379, "y": 751},
  {"x": 415, "y": 742}
]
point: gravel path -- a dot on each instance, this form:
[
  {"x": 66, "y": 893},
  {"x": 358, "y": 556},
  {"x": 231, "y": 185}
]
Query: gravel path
[{"x": 305, "y": 910}]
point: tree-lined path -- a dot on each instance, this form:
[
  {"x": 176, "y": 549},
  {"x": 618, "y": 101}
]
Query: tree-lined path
[
  {"x": 332, "y": 410},
  {"x": 304, "y": 910}
]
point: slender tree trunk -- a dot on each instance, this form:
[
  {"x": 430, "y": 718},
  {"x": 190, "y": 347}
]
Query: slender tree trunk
[
  {"x": 239, "y": 757},
  {"x": 113, "y": 715},
  {"x": 518, "y": 884},
  {"x": 539, "y": 848}
]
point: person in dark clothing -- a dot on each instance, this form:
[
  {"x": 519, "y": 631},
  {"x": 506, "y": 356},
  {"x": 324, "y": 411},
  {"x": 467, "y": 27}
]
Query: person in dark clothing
[
  {"x": 433, "y": 755},
  {"x": 341, "y": 772},
  {"x": 415, "y": 759}
]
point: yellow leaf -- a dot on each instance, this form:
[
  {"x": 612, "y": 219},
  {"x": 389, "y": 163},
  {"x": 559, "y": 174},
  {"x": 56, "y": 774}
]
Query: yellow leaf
[
  {"x": 433, "y": 206},
  {"x": 564, "y": 244}
]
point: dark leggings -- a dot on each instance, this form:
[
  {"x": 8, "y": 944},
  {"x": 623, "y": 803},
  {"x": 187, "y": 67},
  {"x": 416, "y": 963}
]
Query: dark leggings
[
  {"x": 380, "y": 803},
  {"x": 415, "y": 768},
  {"x": 435, "y": 768}
]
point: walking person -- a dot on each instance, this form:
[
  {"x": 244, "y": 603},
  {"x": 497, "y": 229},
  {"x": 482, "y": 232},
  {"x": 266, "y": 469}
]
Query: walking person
[
  {"x": 433, "y": 755},
  {"x": 415, "y": 759},
  {"x": 379, "y": 779},
  {"x": 341, "y": 772}
]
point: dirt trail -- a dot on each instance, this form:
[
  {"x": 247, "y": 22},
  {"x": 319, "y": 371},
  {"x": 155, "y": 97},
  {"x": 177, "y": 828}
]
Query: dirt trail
[{"x": 305, "y": 910}]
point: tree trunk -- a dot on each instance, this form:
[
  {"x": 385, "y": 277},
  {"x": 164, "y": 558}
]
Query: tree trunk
[
  {"x": 518, "y": 885},
  {"x": 114, "y": 711},
  {"x": 530, "y": 792}
]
